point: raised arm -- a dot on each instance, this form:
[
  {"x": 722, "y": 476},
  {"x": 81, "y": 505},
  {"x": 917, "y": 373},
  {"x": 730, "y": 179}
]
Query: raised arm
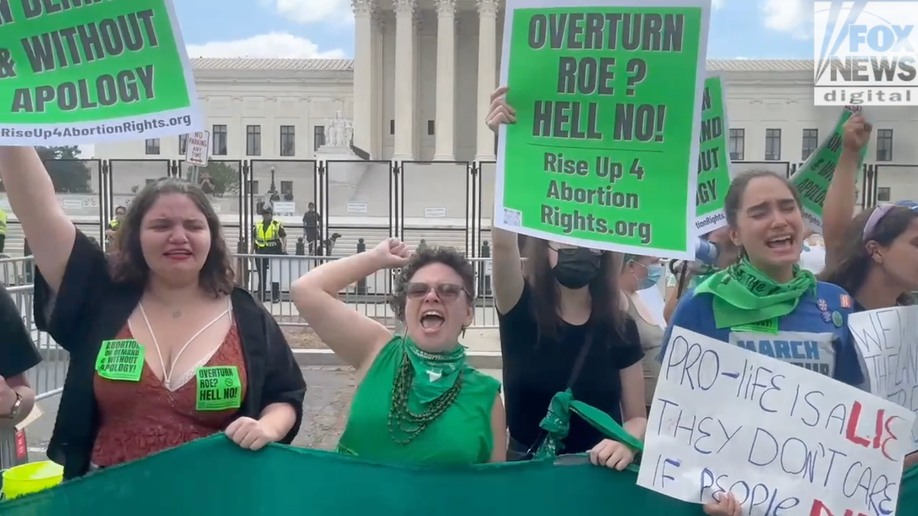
[
  {"x": 507, "y": 270},
  {"x": 354, "y": 337},
  {"x": 31, "y": 195},
  {"x": 838, "y": 208}
]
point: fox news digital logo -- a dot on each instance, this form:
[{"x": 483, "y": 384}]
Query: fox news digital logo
[{"x": 865, "y": 53}]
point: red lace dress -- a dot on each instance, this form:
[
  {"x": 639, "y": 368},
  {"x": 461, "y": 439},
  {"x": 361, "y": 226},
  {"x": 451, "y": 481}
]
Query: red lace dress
[{"x": 141, "y": 418}]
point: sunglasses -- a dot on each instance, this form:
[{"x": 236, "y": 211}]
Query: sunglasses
[
  {"x": 445, "y": 291},
  {"x": 881, "y": 211}
]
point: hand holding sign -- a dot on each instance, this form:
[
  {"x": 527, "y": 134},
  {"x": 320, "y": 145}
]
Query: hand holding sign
[
  {"x": 856, "y": 133},
  {"x": 726, "y": 505},
  {"x": 500, "y": 112}
]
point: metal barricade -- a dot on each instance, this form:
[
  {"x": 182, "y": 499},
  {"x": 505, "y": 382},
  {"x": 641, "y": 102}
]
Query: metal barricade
[
  {"x": 48, "y": 377},
  {"x": 17, "y": 271},
  {"x": 369, "y": 296}
]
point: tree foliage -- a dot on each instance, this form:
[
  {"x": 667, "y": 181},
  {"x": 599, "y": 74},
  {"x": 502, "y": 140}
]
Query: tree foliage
[
  {"x": 223, "y": 177},
  {"x": 68, "y": 172}
]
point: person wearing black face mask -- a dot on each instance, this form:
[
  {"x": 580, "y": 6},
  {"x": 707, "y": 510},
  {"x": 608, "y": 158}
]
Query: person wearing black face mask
[
  {"x": 576, "y": 267},
  {"x": 562, "y": 325}
]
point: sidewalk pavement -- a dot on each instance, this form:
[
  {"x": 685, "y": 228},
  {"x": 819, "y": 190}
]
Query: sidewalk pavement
[{"x": 483, "y": 349}]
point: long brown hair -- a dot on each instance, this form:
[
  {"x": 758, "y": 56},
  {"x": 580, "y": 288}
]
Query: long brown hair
[
  {"x": 854, "y": 262},
  {"x": 128, "y": 266},
  {"x": 605, "y": 309}
]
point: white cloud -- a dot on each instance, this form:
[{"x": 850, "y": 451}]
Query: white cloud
[
  {"x": 312, "y": 11},
  {"x": 794, "y": 17},
  {"x": 275, "y": 44}
]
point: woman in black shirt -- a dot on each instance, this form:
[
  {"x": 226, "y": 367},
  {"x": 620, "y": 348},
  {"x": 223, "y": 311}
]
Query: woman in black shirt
[
  {"x": 561, "y": 326},
  {"x": 153, "y": 329},
  {"x": 17, "y": 355}
]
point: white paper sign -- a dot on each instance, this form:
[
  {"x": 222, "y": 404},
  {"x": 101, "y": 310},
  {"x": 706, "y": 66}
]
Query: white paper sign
[
  {"x": 197, "y": 148},
  {"x": 784, "y": 440},
  {"x": 888, "y": 341},
  {"x": 285, "y": 208}
]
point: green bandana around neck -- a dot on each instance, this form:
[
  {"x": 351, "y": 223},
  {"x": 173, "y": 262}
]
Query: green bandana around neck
[
  {"x": 434, "y": 373},
  {"x": 745, "y": 295}
]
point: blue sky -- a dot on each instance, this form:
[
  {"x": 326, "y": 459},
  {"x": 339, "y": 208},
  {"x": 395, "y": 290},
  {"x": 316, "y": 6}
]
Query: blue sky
[{"x": 324, "y": 28}]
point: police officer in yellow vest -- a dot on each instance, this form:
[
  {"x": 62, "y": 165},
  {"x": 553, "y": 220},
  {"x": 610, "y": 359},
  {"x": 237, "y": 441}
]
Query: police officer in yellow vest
[
  {"x": 113, "y": 224},
  {"x": 269, "y": 237},
  {"x": 2, "y": 229}
]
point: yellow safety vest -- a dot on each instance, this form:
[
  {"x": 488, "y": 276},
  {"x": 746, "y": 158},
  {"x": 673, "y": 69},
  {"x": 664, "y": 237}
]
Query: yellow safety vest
[
  {"x": 267, "y": 236},
  {"x": 2, "y": 222}
]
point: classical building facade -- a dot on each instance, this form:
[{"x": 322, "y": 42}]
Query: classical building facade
[{"x": 419, "y": 87}]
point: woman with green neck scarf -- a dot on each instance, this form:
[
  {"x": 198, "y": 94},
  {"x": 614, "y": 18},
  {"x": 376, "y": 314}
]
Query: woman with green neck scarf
[
  {"x": 418, "y": 400},
  {"x": 767, "y": 303}
]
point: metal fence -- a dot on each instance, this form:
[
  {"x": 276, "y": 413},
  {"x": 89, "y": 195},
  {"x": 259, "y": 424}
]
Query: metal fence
[
  {"x": 48, "y": 377},
  {"x": 443, "y": 203}
]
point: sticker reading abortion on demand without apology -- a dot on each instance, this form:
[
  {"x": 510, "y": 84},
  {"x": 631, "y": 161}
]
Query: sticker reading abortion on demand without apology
[
  {"x": 785, "y": 441},
  {"x": 713, "y": 159},
  {"x": 93, "y": 71},
  {"x": 608, "y": 102}
]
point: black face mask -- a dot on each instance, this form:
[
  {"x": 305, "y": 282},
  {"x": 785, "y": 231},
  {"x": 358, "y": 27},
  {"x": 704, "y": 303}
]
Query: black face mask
[{"x": 576, "y": 268}]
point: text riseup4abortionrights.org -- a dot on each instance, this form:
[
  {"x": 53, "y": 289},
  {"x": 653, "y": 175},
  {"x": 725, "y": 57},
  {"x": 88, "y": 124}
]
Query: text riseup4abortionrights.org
[{"x": 130, "y": 126}]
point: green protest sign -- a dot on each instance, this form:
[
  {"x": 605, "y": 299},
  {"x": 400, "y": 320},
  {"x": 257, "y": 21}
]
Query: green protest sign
[
  {"x": 713, "y": 159},
  {"x": 812, "y": 179},
  {"x": 608, "y": 104},
  {"x": 93, "y": 71}
]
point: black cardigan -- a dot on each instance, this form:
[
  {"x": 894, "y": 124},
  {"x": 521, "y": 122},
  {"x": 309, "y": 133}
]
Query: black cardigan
[{"x": 90, "y": 308}]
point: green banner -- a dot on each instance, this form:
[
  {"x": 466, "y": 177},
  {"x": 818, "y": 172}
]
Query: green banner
[
  {"x": 214, "y": 476},
  {"x": 604, "y": 150},
  {"x": 93, "y": 71},
  {"x": 812, "y": 179},
  {"x": 713, "y": 159}
]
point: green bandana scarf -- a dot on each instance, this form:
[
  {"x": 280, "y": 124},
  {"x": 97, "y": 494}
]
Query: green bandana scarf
[
  {"x": 434, "y": 373},
  {"x": 743, "y": 295}
]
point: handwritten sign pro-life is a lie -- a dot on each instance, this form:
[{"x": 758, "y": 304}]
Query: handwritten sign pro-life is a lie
[
  {"x": 784, "y": 440},
  {"x": 888, "y": 341}
]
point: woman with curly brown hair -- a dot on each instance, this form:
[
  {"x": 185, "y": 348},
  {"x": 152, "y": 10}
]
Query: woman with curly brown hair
[
  {"x": 163, "y": 349},
  {"x": 418, "y": 400}
]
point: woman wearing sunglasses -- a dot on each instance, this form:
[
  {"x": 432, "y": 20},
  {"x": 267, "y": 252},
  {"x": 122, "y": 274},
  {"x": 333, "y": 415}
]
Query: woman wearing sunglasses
[{"x": 418, "y": 400}]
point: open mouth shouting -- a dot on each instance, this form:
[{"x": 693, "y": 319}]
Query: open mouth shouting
[
  {"x": 783, "y": 244},
  {"x": 432, "y": 321}
]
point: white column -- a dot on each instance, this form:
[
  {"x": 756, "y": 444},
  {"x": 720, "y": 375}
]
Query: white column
[
  {"x": 404, "y": 80},
  {"x": 487, "y": 75},
  {"x": 363, "y": 73},
  {"x": 380, "y": 124},
  {"x": 446, "y": 81}
]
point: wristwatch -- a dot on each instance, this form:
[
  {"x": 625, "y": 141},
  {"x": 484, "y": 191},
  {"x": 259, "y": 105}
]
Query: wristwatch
[{"x": 14, "y": 410}]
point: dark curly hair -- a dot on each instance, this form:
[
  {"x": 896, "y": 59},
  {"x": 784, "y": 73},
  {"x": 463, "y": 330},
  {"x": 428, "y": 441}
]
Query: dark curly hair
[
  {"x": 447, "y": 256},
  {"x": 128, "y": 266}
]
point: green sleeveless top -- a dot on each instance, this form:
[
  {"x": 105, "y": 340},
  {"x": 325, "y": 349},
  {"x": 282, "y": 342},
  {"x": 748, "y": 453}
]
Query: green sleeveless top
[{"x": 461, "y": 435}]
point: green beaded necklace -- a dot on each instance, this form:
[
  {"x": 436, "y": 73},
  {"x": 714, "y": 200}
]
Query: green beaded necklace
[{"x": 405, "y": 425}]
